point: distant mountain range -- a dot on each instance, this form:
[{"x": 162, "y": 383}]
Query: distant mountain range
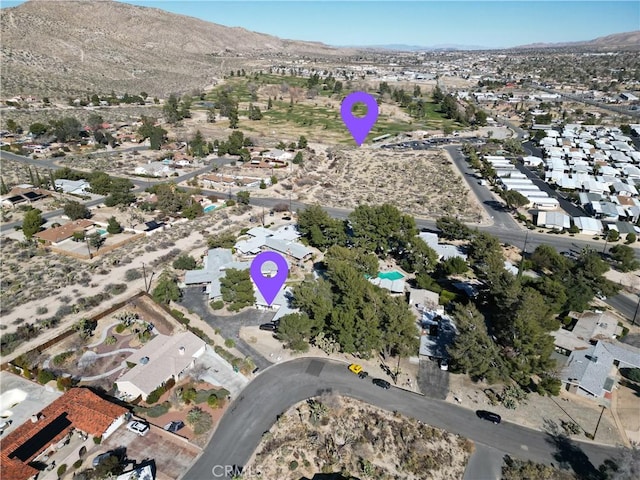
[
  {"x": 610, "y": 42},
  {"x": 62, "y": 47},
  {"x": 417, "y": 48},
  {"x": 74, "y": 47}
]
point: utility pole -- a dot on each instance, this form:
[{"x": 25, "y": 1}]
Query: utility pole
[{"x": 144, "y": 272}]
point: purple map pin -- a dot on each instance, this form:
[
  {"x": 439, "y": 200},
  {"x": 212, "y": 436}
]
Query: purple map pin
[
  {"x": 359, "y": 126},
  {"x": 269, "y": 286}
]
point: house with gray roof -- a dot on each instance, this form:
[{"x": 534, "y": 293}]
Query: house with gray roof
[
  {"x": 283, "y": 240},
  {"x": 592, "y": 372},
  {"x": 216, "y": 262}
]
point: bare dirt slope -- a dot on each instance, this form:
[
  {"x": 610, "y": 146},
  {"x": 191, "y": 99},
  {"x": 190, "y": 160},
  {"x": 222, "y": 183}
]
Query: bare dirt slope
[{"x": 56, "y": 47}]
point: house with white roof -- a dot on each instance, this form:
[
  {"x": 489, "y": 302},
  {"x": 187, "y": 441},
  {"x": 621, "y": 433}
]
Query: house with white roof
[
  {"x": 588, "y": 225},
  {"x": 160, "y": 359},
  {"x": 74, "y": 187},
  {"x": 283, "y": 240}
]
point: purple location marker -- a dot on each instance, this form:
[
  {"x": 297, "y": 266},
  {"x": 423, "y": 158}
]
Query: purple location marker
[
  {"x": 269, "y": 286},
  {"x": 359, "y": 126}
]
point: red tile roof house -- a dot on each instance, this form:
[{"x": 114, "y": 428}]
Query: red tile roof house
[{"x": 79, "y": 409}]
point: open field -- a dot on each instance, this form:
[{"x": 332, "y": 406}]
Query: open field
[
  {"x": 334, "y": 434},
  {"x": 295, "y": 111}
]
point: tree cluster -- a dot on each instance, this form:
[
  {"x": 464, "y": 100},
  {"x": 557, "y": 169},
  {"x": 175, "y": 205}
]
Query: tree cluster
[
  {"x": 173, "y": 201},
  {"x": 156, "y": 134},
  {"x": 359, "y": 316},
  {"x": 237, "y": 289},
  {"x": 175, "y": 110}
]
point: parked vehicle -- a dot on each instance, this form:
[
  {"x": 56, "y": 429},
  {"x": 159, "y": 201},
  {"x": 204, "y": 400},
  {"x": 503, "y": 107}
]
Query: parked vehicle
[
  {"x": 444, "y": 364},
  {"x": 490, "y": 416},
  {"x": 270, "y": 327},
  {"x": 381, "y": 383},
  {"x": 357, "y": 369},
  {"x": 138, "y": 427},
  {"x": 174, "y": 426}
]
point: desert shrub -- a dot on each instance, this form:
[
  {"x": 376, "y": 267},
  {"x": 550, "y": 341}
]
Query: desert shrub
[
  {"x": 77, "y": 464},
  {"x": 97, "y": 440},
  {"x": 155, "y": 395},
  {"x": 120, "y": 328},
  {"x": 41, "y": 310},
  {"x": 293, "y": 465},
  {"x": 199, "y": 420},
  {"x": 158, "y": 410},
  {"x": 64, "y": 383},
  {"x": 62, "y": 469},
  {"x": 132, "y": 274},
  {"x": 229, "y": 343},
  {"x": 213, "y": 401},
  {"x": 62, "y": 357},
  {"x": 110, "y": 340},
  {"x": 45, "y": 376},
  {"x": 216, "y": 304},
  {"x": 446, "y": 296},
  {"x": 180, "y": 316},
  {"x": 200, "y": 334}
]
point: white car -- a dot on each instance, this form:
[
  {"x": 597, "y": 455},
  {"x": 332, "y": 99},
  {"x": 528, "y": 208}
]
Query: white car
[
  {"x": 444, "y": 364},
  {"x": 138, "y": 427}
]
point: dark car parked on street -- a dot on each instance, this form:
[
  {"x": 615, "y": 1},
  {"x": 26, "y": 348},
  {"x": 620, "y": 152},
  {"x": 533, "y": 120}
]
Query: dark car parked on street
[
  {"x": 381, "y": 383},
  {"x": 490, "y": 416}
]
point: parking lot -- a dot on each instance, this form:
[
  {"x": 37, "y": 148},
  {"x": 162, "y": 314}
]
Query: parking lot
[{"x": 172, "y": 454}]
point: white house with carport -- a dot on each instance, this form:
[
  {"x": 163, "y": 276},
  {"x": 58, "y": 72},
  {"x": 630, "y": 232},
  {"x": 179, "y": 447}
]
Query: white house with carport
[{"x": 588, "y": 225}]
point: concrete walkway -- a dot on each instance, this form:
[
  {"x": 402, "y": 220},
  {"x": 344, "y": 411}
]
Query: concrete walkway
[
  {"x": 103, "y": 336},
  {"x": 89, "y": 357}
]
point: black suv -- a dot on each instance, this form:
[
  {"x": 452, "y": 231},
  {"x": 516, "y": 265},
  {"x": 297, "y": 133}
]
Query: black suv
[
  {"x": 490, "y": 416},
  {"x": 381, "y": 383},
  {"x": 270, "y": 327}
]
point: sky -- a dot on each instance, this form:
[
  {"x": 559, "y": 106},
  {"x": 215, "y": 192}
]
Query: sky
[{"x": 491, "y": 24}]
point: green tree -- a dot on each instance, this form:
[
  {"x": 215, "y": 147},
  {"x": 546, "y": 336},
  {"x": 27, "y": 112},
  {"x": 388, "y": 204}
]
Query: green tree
[
  {"x": 381, "y": 229},
  {"x": 192, "y": 210},
  {"x": 184, "y": 262},
  {"x": 113, "y": 227},
  {"x": 243, "y": 197},
  {"x": 100, "y": 183},
  {"x": 320, "y": 229},
  {"x": 453, "y": 229},
  {"x": 38, "y": 129},
  {"x": 473, "y": 351},
  {"x": 515, "y": 199},
  {"x": 624, "y": 256},
  {"x": 631, "y": 238},
  {"x": 198, "y": 145},
  {"x": 170, "y": 110},
  {"x": 166, "y": 289},
  {"x": 76, "y": 210},
  {"x": 298, "y": 159},
  {"x": 233, "y": 118},
  {"x": 454, "y": 265},
  {"x": 225, "y": 239},
  {"x": 302, "y": 142},
  {"x": 95, "y": 240},
  {"x": 68, "y": 128},
  {"x": 237, "y": 289},
  {"x": 296, "y": 329},
  {"x": 3, "y": 187},
  {"x": 32, "y": 222},
  {"x": 13, "y": 126},
  {"x": 613, "y": 236}
]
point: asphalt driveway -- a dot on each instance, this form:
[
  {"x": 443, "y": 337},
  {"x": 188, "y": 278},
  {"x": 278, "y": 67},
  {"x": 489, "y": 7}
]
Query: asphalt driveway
[
  {"x": 229, "y": 325},
  {"x": 432, "y": 381}
]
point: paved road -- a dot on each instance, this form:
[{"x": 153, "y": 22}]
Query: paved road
[
  {"x": 195, "y": 301},
  {"x": 502, "y": 219},
  {"x": 627, "y": 305},
  {"x": 484, "y": 464},
  {"x": 275, "y": 390}
]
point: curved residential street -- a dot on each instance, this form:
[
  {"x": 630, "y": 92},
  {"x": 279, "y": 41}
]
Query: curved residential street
[{"x": 279, "y": 387}]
